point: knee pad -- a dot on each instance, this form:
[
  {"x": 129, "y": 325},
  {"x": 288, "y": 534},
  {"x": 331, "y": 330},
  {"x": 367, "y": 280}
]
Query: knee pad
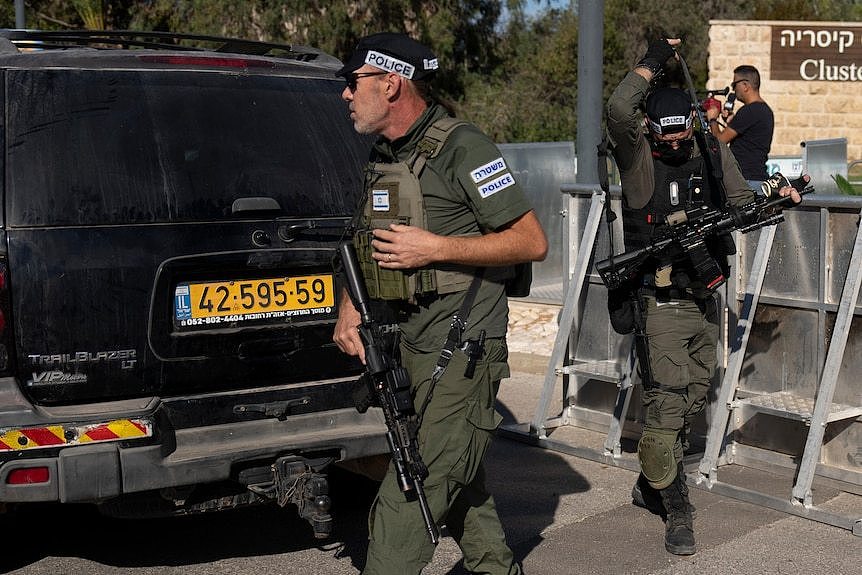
[{"x": 655, "y": 452}]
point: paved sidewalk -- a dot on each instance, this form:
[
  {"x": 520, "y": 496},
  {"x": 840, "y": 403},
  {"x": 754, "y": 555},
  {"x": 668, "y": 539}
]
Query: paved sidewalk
[{"x": 567, "y": 515}]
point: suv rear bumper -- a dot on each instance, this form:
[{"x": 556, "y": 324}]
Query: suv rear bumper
[{"x": 191, "y": 456}]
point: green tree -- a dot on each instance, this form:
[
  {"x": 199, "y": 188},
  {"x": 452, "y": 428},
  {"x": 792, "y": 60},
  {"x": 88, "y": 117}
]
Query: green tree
[{"x": 532, "y": 96}]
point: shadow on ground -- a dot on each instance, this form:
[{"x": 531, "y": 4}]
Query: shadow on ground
[
  {"x": 81, "y": 531},
  {"x": 527, "y": 484},
  {"x": 515, "y": 470}
]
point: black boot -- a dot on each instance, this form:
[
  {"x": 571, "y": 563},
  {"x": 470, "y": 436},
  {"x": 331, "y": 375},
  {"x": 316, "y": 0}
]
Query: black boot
[
  {"x": 679, "y": 528},
  {"x": 683, "y": 486},
  {"x": 646, "y": 496}
]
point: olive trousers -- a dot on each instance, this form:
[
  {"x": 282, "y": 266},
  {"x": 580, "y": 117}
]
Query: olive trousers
[
  {"x": 683, "y": 335},
  {"x": 457, "y": 426}
]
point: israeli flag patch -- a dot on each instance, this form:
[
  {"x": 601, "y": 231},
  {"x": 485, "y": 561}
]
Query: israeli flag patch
[
  {"x": 380, "y": 200},
  {"x": 490, "y": 188},
  {"x": 488, "y": 170}
]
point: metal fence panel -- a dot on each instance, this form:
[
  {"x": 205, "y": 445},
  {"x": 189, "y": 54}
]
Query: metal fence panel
[{"x": 541, "y": 169}]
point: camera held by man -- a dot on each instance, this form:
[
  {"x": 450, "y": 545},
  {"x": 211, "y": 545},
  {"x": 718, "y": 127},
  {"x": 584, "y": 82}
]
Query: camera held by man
[{"x": 725, "y": 109}]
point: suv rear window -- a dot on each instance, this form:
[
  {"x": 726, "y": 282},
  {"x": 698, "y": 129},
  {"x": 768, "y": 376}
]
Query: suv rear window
[{"x": 89, "y": 147}]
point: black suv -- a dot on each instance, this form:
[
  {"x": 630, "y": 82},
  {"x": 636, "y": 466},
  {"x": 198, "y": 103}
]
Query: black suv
[{"x": 167, "y": 297}]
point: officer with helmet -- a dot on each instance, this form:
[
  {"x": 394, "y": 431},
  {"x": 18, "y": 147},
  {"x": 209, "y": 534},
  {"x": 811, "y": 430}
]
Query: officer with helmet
[
  {"x": 663, "y": 170},
  {"x": 443, "y": 223}
]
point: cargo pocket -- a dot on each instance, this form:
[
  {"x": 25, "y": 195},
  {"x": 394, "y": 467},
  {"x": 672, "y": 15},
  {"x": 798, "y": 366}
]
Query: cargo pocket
[
  {"x": 666, "y": 402},
  {"x": 671, "y": 372},
  {"x": 481, "y": 417},
  {"x": 481, "y": 423}
]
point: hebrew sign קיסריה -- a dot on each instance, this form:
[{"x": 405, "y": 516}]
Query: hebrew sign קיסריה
[{"x": 816, "y": 53}]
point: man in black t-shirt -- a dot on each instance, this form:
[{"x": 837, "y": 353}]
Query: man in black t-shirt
[{"x": 749, "y": 131}]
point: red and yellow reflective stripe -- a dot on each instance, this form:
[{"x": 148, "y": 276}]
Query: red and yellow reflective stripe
[
  {"x": 17, "y": 439},
  {"x": 118, "y": 429},
  {"x": 63, "y": 435}
]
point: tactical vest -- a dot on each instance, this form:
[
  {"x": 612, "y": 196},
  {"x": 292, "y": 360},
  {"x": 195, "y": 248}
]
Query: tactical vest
[
  {"x": 394, "y": 195},
  {"x": 675, "y": 188}
]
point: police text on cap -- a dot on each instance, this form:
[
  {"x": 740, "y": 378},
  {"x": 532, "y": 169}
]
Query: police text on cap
[{"x": 386, "y": 62}]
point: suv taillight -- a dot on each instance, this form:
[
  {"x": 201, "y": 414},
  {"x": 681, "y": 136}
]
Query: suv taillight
[
  {"x": 6, "y": 341},
  {"x": 207, "y": 61}
]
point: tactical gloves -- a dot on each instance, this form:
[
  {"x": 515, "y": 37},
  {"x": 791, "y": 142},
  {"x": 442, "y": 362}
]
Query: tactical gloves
[
  {"x": 658, "y": 52},
  {"x": 777, "y": 181}
]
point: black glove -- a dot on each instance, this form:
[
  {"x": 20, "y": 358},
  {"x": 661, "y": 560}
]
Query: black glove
[
  {"x": 800, "y": 184},
  {"x": 658, "y": 52},
  {"x": 774, "y": 183},
  {"x": 777, "y": 181}
]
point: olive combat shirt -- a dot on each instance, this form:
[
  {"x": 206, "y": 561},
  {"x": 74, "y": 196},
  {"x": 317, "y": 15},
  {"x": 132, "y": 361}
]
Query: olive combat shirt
[{"x": 468, "y": 190}]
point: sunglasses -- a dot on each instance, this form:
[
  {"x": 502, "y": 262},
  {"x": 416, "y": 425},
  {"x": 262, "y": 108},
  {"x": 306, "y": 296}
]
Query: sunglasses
[
  {"x": 353, "y": 78},
  {"x": 733, "y": 84}
]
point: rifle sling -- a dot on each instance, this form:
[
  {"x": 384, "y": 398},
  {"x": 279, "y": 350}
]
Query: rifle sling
[
  {"x": 456, "y": 329},
  {"x": 640, "y": 338},
  {"x": 604, "y": 183}
]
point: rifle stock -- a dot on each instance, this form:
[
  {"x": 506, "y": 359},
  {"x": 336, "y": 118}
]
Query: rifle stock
[
  {"x": 390, "y": 385},
  {"x": 687, "y": 231}
]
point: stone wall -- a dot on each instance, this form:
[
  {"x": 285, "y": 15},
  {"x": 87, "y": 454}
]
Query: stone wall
[{"x": 804, "y": 110}]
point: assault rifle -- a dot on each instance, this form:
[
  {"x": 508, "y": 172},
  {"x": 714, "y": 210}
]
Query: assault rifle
[
  {"x": 686, "y": 232},
  {"x": 387, "y": 384}
]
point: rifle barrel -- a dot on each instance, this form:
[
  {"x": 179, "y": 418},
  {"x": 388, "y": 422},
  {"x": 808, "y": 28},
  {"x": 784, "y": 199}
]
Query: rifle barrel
[{"x": 355, "y": 282}]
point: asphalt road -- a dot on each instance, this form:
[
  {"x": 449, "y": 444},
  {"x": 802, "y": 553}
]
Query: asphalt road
[{"x": 563, "y": 515}]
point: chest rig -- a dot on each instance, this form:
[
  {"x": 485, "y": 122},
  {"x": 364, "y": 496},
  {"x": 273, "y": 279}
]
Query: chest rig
[
  {"x": 394, "y": 195},
  {"x": 675, "y": 188}
]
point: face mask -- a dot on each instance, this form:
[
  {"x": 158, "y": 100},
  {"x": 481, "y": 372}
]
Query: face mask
[{"x": 667, "y": 154}]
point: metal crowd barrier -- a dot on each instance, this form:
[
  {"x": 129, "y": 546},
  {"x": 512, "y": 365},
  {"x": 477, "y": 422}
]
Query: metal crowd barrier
[{"x": 787, "y": 395}]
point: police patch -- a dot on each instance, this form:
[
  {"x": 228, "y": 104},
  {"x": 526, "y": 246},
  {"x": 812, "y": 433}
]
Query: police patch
[
  {"x": 488, "y": 170},
  {"x": 670, "y": 122},
  {"x": 673, "y": 121},
  {"x": 494, "y": 186}
]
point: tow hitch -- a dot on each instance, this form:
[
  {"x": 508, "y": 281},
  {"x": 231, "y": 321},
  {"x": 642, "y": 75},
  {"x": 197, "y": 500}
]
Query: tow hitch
[{"x": 301, "y": 482}]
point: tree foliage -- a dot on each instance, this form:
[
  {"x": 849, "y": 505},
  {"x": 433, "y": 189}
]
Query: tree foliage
[
  {"x": 510, "y": 70},
  {"x": 462, "y": 32},
  {"x": 533, "y": 96}
]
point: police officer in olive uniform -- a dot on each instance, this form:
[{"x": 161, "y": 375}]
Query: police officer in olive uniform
[
  {"x": 444, "y": 221},
  {"x": 663, "y": 171}
]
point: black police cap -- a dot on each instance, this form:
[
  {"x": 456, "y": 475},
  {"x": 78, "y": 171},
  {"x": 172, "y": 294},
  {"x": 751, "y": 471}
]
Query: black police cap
[
  {"x": 392, "y": 52},
  {"x": 668, "y": 111}
]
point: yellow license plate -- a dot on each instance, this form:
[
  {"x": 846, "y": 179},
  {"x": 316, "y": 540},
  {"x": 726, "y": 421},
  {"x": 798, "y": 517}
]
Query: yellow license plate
[{"x": 256, "y": 299}]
